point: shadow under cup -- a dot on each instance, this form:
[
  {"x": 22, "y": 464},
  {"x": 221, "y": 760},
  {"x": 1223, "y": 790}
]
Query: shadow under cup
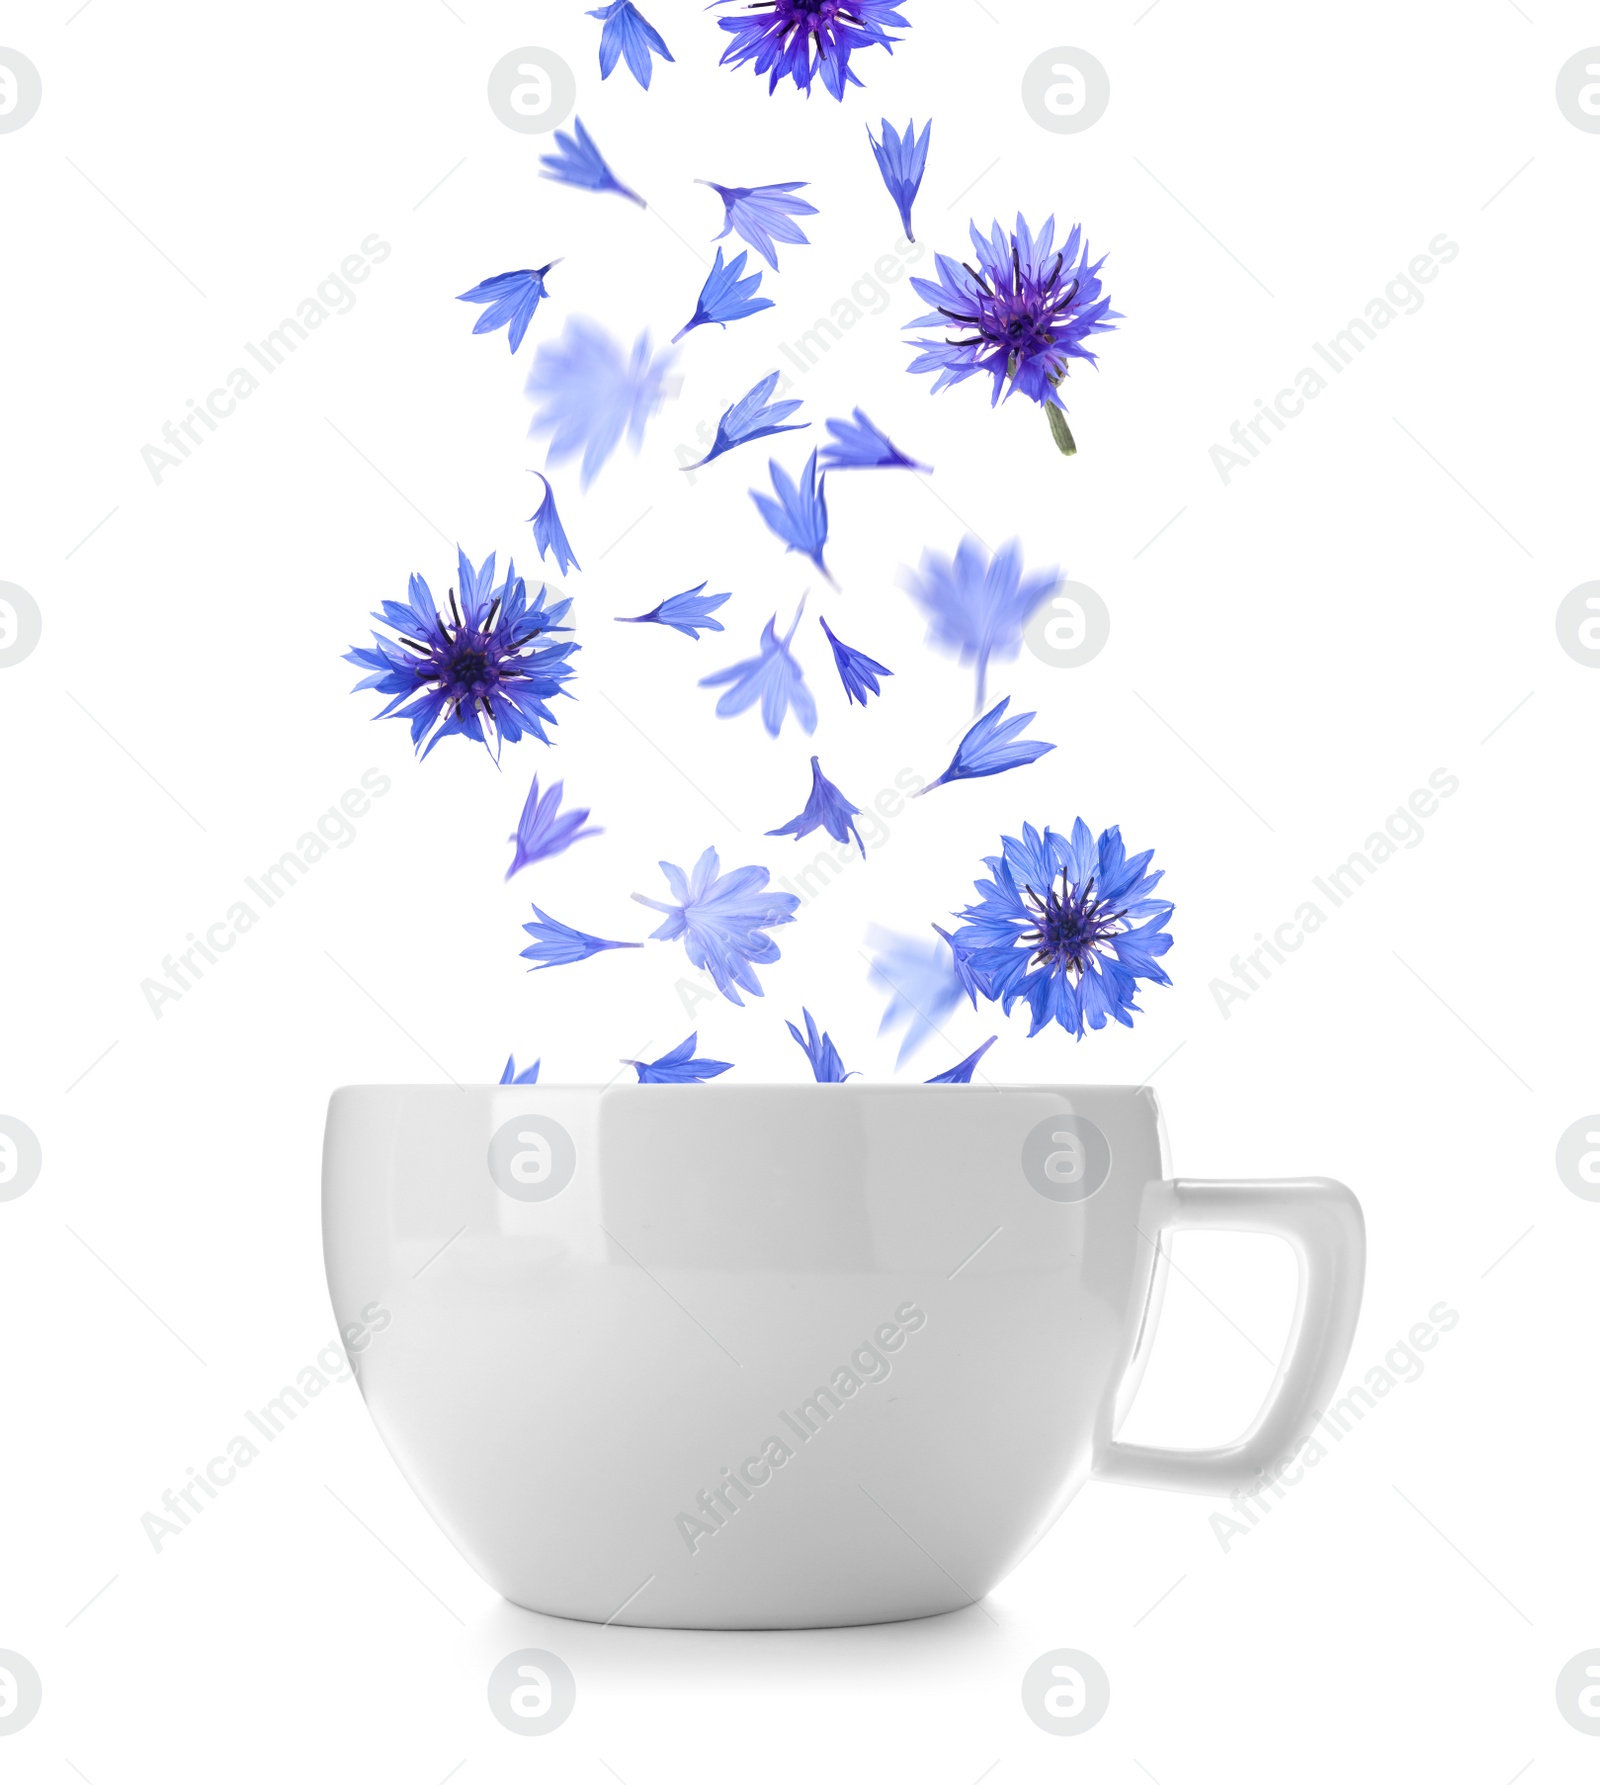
[{"x": 743, "y": 1357}]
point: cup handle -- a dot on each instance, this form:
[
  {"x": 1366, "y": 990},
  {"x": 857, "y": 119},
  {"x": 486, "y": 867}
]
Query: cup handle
[{"x": 1322, "y": 1221}]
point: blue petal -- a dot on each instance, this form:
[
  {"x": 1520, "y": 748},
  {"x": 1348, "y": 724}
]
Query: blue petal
[
  {"x": 961, "y": 1073},
  {"x": 679, "y": 1067},
  {"x": 901, "y": 161},
  {"x": 990, "y": 748},
  {"x": 588, "y": 392},
  {"x": 577, "y": 162},
  {"x": 512, "y": 299},
  {"x": 556, "y": 944},
  {"x": 629, "y": 34},
  {"x": 857, "y": 670},
  {"x": 752, "y": 418},
  {"x": 726, "y": 297},
  {"x": 826, "y": 809},
  {"x": 920, "y": 978},
  {"x": 763, "y": 215},
  {"x": 548, "y": 533},
  {"x": 860, "y": 445},
  {"x": 826, "y": 1066},
  {"x": 978, "y": 604},
  {"x": 688, "y": 613},
  {"x": 545, "y": 830},
  {"x": 799, "y": 515},
  {"x": 774, "y": 678},
  {"x": 723, "y": 920}
]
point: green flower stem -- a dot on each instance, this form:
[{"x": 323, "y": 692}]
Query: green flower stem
[{"x": 1059, "y": 431}]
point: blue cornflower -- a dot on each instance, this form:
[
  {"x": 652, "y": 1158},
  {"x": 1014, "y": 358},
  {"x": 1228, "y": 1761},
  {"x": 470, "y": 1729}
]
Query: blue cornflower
[
  {"x": 577, "y": 162},
  {"x": 977, "y": 606},
  {"x": 827, "y": 809},
  {"x": 492, "y": 661},
  {"x": 857, "y": 670},
  {"x": 512, "y": 299},
  {"x": 763, "y": 215},
  {"x": 1026, "y": 310},
  {"x": 752, "y": 418},
  {"x": 556, "y": 944},
  {"x": 544, "y": 829},
  {"x": 826, "y": 1066},
  {"x": 1067, "y": 926},
  {"x": 630, "y": 35},
  {"x": 800, "y": 515},
  {"x": 861, "y": 445},
  {"x": 961, "y": 1073},
  {"x": 991, "y": 747},
  {"x": 800, "y": 39},
  {"x": 548, "y": 533},
  {"x": 689, "y": 613},
  {"x": 680, "y": 1067},
  {"x": 587, "y": 390},
  {"x": 901, "y": 160},
  {"x": 528, "y": 1076},
  {"x": 774, "y": 678},
  {"x": 922, "y": 982},
  {"x": 723, "y": 921},
  {"x": 725, "y": 297}
]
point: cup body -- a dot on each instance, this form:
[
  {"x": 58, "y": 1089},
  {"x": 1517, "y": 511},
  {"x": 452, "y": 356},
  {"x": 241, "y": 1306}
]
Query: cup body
[{"x": 744, "y": 1357}]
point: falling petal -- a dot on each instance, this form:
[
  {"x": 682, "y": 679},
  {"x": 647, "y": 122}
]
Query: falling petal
[
  {"x": 680, "y": 1067},
  {"x": 774, "y": 678},
  {"x": 826, "y": 1066},
  {"x": 723, "y": 920}
]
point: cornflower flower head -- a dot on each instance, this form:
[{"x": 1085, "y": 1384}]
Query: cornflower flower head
[
  {"x": 1022, "y": 315},
  {"x": 802, "y": 40},
  {"x": 1068, "y": 926},
  {"x": 485, "y": 666}
]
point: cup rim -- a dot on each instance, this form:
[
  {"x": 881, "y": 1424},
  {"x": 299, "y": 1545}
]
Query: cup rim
[{"x": 877, "y": 1086}]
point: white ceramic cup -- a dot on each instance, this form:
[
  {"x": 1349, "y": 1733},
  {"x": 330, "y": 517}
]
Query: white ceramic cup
[{"x": 769, "y": 1357}]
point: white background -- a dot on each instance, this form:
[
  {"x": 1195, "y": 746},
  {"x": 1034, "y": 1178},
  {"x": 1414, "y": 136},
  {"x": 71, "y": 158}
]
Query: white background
[{"x": 1291, "y": 654}]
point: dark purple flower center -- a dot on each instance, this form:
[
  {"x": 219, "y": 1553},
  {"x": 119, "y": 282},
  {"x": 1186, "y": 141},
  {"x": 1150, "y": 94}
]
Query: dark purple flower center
[
  {"x": 467, "y": 664},
  {"x": 1072, "y": 925},
  {"x": 465, "y": 669},
  {"x": 814, "y": 18},
  {"x": 1021, "y": 316}
]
